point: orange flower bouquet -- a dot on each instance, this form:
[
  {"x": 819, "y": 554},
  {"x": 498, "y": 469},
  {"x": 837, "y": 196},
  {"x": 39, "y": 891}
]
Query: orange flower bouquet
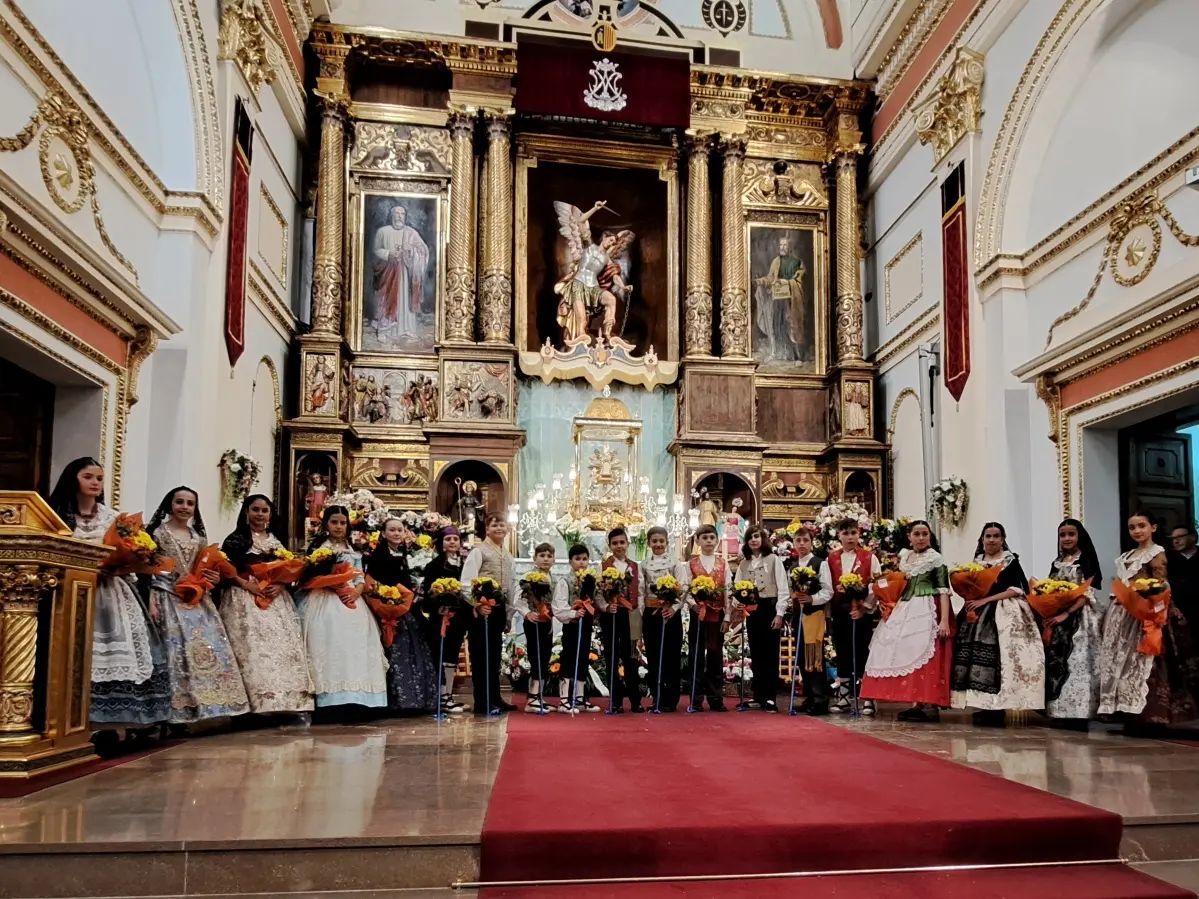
[
  {"x": 190, "y": 588},
  {"x": 390, "y": 604},
  {"x": 888, "y": 589},
  {"x": 1050, "y": 598},
  {"x": 133, "y": 550},
  {"x": 285, "y": 569},
  {"x": 973, "y": 581},
  {"x": 322, "y": 571},
  {"x": 1146, "y": 599}
]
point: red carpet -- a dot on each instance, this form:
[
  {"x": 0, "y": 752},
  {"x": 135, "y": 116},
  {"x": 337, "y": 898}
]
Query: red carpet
[
  {"x": 737, "y": 794},
  {"x": 1089, "y": 882}
]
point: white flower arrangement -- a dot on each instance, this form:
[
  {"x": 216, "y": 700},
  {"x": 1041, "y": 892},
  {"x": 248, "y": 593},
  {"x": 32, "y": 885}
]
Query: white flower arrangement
[
  {"x": 832, "y": 515},
  {"x": 948, "y": 500},
  {"x": 239, "y": 475},
  {"x": 367, "y": 511}
]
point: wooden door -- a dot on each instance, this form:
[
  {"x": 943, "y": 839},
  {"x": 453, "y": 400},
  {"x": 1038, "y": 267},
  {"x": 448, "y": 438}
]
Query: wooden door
[
  {"x": 26, "y": 423},
  {"x": 1157, "y": 476}
]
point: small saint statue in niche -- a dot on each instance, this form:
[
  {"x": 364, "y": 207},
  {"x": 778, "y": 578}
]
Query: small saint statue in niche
[
  {"x": 595, "y": 279},
  {"x": 732, "y": 529},
  {"x": 466, "y": 509},
  {"x": 708, "y": 510},
  {"x": 316, "y": 497}
]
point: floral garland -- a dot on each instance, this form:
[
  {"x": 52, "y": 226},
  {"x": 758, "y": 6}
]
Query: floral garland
[
  {"x": 239, "y": 475},
  {"x": 948, "y": 501}
]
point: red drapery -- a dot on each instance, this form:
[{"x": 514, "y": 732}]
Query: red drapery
[
  {"x": 956, "y": 312},
  {"x": 235, "y": 270}
]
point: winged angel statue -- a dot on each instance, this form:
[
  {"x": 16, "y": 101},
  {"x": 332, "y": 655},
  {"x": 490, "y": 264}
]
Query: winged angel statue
[{"x": 596, "y": 277}]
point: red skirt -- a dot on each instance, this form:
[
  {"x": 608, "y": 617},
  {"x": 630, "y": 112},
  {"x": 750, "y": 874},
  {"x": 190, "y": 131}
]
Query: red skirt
[{"x": 929, "y": 683}]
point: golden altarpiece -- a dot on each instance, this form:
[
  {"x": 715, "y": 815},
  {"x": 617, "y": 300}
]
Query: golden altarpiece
[{"x": 476, "y": 252}]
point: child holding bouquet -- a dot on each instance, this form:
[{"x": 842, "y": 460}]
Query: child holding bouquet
[
  {"x": 489, "y": 622},
  {"x": 131, "y": 686},
  {"x": 1147, "y": 666},
  {"x": 1072, "y": 647},
  {"x": 911, "y": 655},
  {"x": 205, "y": 678},
  {"x": 574, "y": 606},
  {"x": 617, "y": 598},
  {"x": 411, "y": 678},
  {"x": 998, "y": 657},
  {"x": 765, "y": 570},
  {"x": 852, "y": 617},
  {"x": 345, "y": 654},
  {"x": 706, "y": 578},
  {"x": 532, "y": 605},
  {"x": 260, "y": 616},
  {"x": 445, "y": 614},
  {"x": 662, "y": 600},
  {"x": 809, "y": 600}
]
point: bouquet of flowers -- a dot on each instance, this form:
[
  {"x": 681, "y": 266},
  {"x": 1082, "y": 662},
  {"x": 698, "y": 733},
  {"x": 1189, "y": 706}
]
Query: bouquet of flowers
[
  {"x": 1146, "y": 599},
  {"x": 536, "y": 587},
  {"x": 1050, "y": 598},
  {"x": 239, "y": 474},
  {"x": 889, "y": 588},
  {"x": 831, "y": 516},
  {"x": 485, "y": 593},
  {"x": 514, "y": 661},
  {"x": 322, "y": 571},
  {"x": 190, "y": 588},
  {"x": 889, "y": 535},
  {"x": 587, "y": 581},
  {"x": 745, "y": 594},
  {"x": 781, "y": 543},
  {"x": 738, "y": 665},
  {"x": 804, "y": 580},
  {"x": 615, "y": 587},
  {"x": 973, "y": 581},
  {"x": 665, "y": 591},
  {"x": 283, "y": 569},
  {"x": 420, "y": 554},
  {"x": 448, "y": 591},
  {"x": 948, "y": 500},
  {"x": 390, "y": 604},
  {"x": 572, "y": 530},
  {"x": 852, "y": 587},
  {"x": 707, "y": 597},
  {"x": 133, "y": 550},
  {"x": 432, "y": 522}
]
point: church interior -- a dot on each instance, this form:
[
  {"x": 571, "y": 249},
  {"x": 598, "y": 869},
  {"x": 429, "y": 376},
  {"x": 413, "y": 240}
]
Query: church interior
[{"x": 879, "y": 295}]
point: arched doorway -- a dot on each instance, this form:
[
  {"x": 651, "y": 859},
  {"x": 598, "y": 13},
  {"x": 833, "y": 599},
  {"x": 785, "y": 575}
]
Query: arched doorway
[
  {"x": 452, "y": 496},
  {"x": 724, "y": 486}
]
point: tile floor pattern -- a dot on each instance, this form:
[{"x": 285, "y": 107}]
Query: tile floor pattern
[{"x": 415, "y": 781}]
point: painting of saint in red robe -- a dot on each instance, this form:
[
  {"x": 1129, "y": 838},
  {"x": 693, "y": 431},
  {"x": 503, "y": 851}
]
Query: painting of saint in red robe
[{"x": 400, "y": 278}]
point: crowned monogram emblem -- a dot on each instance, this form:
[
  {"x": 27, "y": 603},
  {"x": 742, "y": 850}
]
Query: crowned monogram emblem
[{"x": 604, "y": 93}]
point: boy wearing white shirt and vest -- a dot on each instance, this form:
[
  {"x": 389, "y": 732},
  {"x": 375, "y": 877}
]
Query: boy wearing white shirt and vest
[
  {"x": 708, "y": 623},
  {"x": 760, "y": 565},
  {"x": 663, "y": 625},
  {"x": 853, "y": 622},
  {"x": 614, "y": 624},
  {"x": 809, "y": 624},
  {"x": 577, "y": 614},
  {"x": 539, "y": 635}
]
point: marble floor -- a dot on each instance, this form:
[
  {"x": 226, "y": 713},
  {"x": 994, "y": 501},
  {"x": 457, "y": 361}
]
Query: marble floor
[{"x": 417, "y": 783}]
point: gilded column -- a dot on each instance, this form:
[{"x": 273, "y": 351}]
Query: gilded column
[
  {"x": 21, "y": 588},
  {"x": 495, "y": 304},
  {"x": 698, "y": 303},
  {"x": 460, "y": 278},
  {"x": 849, "y": 291},
  {"x": 734, "y": 297},
  {"x": 327, "y": 271}
]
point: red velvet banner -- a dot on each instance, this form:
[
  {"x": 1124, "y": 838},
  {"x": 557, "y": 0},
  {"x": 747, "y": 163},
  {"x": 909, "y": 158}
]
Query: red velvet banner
[
  {"x": 573, "y": 80},
  {"x": 956, "y": 313},
  {"x": 235, "y": 269}
]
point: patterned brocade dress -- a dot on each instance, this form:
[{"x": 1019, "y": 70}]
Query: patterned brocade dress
[
  {"x": 205, "y": 679},
  {"x": 268, "y": 643},
  {"x": 1072, "y": 656},
  {"x": 908, "y": 662},
  {"x": 130, "y": 685}
]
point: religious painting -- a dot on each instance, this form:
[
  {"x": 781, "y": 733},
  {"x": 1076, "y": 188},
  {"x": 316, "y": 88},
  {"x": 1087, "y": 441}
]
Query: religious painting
[
  {"x": 393, "y": 396},
  {"x": 596, "y": 272},
  {"x": 786, "y": 298},
  {"x": 477, "y": 391},
  {"x": 319, "y": 387},
  {"x": 399, "y": 271},
  {"x": 856, "y": 413}
]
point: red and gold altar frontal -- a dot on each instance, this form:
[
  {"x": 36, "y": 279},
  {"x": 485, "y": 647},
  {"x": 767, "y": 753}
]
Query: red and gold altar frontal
[{"x": 504, "y": 230}]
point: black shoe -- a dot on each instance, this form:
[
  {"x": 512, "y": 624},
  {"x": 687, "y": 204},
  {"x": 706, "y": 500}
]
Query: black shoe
[
  {"x": 818, "y": 709},
  {"x": 805, "y": 706},
  {"x": 770, "y": 706},
  {"x": 719, "y": 708},
  {"x": 637, "y": 709},
  {"x": 506, "y": 706}
]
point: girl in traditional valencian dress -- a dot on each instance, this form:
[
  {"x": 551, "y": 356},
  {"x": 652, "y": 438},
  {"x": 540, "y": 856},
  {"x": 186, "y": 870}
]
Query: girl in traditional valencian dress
[
  {"x": 446, "y": 564},
  {"x": 1072, "y": 653},
  {"x": 1158, "y": 689},
  {"x": 130, "y": 685},
  {"x": 911, "y": 654},
  {"x": 411, "y": 678},
  {"x": 267, "y": 641},
  {"x": 487, "y": 626},
  {"x": 205, "y": 679},
  {"x": 998, "y": 657},
  {"x": 345, "y": 651}
]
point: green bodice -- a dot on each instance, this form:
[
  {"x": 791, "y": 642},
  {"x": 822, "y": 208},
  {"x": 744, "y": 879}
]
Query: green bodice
[{"x": 927, "y": 583}]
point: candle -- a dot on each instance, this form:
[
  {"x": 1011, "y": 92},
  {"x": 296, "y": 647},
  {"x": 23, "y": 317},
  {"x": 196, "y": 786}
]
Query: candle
[
  {"x": 513, "y": 514},
  {"x": 678, "y": 504},
  {"x": 557, "y": 483}
]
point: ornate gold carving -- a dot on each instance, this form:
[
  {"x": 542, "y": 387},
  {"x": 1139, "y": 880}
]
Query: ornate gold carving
[
  {"x": 698, "y": 303},
  {"x": 403, "y": 149},
  {"x": 849, "y": 295},
  {"x": 1051, "y": 395},
  {"x": 955, "y": 109},
  {"x": 916, "y": 30},
  {"x": 495, "y": 305},
  {"x": 734, "y": 299},
  {"x": 21, "y": 588},
  {"x": 787, "y": 185},
  {"x": 140, "y": 348},
  {"x": 246, "y": 38},
  {"x": 330, "y": 211},
  {"x": 460, "y": 281}
]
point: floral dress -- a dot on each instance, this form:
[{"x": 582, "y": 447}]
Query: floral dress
[
  {"x": 130, "y": 685},
  {"x": 908, "y": 661},
  {"x": 999, "y": 659},
  {"x": 345, "y": 650},
  {"x": 205, "y": 679},
  {"x": 1072, "y": 656},
  {"x": 1161, "y": 689},
  {"x": 268, "y": 643}
]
